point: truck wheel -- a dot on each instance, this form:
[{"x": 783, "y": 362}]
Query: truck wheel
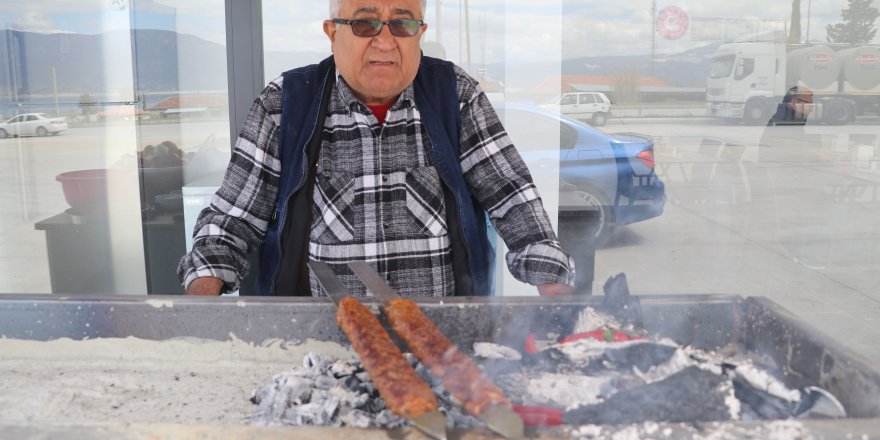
[
  {"x": 756, "y": 113},
  {"x": 839, "y": 113},
  {"x": 599, "y": 119}
]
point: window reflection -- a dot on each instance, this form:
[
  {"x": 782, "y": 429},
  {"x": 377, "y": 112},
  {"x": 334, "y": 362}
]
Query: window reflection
[{"x": 86, "y": 210}]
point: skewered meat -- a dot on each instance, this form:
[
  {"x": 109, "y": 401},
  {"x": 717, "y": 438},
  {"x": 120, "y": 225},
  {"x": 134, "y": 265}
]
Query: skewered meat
[
  {"x": 459, "y": 374},
  {"x": 405, "y": 393}
]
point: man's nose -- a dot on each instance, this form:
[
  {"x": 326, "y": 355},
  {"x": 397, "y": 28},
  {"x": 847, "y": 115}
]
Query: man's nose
[{"x": 384, "y": 40}]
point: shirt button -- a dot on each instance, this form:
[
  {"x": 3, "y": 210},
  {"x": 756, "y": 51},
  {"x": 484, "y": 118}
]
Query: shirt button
[
  {"x": 385, "y": 225},
  {"x": 384, "y": 178}
]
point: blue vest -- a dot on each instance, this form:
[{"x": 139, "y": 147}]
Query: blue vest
[{"x": 437, "y": 100}]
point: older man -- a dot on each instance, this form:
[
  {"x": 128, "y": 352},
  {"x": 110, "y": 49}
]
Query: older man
[{"x": 376, "y": 154}]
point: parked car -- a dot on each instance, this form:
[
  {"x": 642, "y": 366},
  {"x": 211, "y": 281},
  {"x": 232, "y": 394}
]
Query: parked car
[
  {"x": 32, "y": 124},
  {"x": 605, "y": 179},
  {"x": 586, "y": 106}
]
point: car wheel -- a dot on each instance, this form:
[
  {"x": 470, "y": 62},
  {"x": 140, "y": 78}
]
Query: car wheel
[
  {"x": 41, "y": 131},
  {"x": 3, "y": 134},
  {"x": 590, "y": 225},
  {"x": 599, "y": 119}
]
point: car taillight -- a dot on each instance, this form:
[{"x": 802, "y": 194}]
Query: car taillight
[{"x": 647, "y": 157}]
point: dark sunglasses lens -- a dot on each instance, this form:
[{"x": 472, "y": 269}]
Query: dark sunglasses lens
[
  {"x": 366, "y": 28},
  {"x": 404, "y": 28}
]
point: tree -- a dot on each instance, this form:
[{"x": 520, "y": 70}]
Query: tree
[
  {"x": 857, "y": 26},
  {"x": 626, "y": 86},
  {"x": 87, "y": 104}
]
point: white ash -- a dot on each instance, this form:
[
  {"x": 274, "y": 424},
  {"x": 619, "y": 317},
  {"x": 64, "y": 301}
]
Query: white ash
[
  {"x": 488, "y": 350},
  {"x": 336, "y": 393},
  {"x": 762, "y": 380},
  {"x": 591, "y": 319},
  {"x": 566, "y": 390}
]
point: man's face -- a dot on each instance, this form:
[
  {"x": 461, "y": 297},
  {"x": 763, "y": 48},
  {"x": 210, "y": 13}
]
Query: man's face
[
  {"x": 802, "y": 103},
  {"x": 376, "y": 68}
]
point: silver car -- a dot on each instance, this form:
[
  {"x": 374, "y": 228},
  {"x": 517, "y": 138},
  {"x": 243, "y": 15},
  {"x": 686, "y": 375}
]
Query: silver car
[{"x": 32, "y": 124}]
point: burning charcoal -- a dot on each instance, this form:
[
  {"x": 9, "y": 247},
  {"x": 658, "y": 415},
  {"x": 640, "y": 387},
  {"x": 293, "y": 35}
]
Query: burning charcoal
[
  {"x": 643, "y": 355},
  {"x": 388, "y": 419},
  {"x": 760, "y": 405},
  {"x": 375, "y": 405},
  {"x": 343, "y": 368},
  {"x": 325, "y": 382},
  {"x": 352, "y": 383},
  {"x": 356, "y": 418},
  {"x": 316, "y": 363},
  {"x": 259, "y": 394},
  {"x": 692, "y": 394}
]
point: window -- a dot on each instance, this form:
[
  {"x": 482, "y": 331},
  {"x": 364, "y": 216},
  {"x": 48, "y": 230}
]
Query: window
[
  {"x": 587, "y": 98},
  {"x": 745, "y": 68},
  {"x": 133, "y": 109},
  {"x": 737, "y": 207},
  {"x": 569, "y": 100}
]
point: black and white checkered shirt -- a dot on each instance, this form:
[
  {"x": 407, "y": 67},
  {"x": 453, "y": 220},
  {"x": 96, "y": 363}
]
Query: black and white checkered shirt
[{"x": 378, "y": 197}]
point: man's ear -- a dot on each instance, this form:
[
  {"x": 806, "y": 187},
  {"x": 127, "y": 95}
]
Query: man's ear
[{"x": 330, "y": 30}]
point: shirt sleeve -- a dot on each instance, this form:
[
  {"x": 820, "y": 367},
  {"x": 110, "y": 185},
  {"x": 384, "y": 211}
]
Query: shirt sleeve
[
  {"x": 501, "y": 182},
  {"x": 235, "y": 222}
]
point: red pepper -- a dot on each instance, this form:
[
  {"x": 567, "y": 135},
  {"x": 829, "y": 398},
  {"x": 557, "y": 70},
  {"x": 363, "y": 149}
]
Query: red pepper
[
  {"x": 539, "y": 415},
  {"x": 530, "y": 345},
  {"x": 600, "y": 334}
]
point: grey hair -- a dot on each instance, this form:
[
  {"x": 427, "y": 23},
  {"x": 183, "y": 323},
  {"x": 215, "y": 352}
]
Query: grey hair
[{"x": 336, "y": 6}]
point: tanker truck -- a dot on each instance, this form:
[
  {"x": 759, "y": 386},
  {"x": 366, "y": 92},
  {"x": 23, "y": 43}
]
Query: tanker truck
[{"x": 748, "y": 80}]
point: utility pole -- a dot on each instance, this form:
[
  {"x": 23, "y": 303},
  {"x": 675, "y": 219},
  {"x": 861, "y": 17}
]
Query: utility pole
[
  {"x": 55, "y": 91},
  {"x": 653, "y": 33}
]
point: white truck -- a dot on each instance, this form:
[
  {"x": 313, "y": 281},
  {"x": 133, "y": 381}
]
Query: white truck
[{"x": 749, "y": 79}]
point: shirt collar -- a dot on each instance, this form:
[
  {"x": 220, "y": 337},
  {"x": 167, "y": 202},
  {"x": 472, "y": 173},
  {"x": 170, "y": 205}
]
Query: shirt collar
[{"x": 351, "y": 102}]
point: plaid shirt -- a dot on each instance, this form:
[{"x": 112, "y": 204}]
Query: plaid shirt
[{"x": 378, "y": 197}]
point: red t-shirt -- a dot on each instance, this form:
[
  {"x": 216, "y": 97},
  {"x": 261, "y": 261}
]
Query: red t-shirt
[{"x": 380, "y": 111}]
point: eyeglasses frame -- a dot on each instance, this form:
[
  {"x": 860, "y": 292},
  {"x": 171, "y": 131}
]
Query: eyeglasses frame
[{"x": 383, "y": 23}]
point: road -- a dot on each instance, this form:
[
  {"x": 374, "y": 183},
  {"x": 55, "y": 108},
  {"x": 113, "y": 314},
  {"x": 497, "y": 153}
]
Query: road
[{"x": 794, "y": 220}]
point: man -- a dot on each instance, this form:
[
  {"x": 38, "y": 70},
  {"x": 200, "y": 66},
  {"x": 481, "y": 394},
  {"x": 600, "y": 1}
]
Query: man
[
  {"x": 796, "y": 106},
  {"x": 375, "y": 154}
]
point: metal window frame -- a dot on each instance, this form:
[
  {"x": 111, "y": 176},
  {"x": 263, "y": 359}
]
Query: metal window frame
[{"x": 244, "y": 59}]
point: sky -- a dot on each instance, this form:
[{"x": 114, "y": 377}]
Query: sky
[{"x": 534, "y": 30}]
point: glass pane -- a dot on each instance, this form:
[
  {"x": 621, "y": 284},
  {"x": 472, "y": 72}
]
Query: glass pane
[
  {"x": 127, "y": 105},
  {"x": 702, "y": 196}
]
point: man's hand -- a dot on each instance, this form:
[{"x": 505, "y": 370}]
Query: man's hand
[
  {"x": 554, "y": 289},
  {"x": 205, "y": 286}
]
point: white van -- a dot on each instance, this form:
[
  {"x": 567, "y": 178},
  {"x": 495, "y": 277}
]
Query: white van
[{"x": 593, "y": 107}]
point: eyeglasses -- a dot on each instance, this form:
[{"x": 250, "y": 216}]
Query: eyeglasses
[
  {"x": 370, "y": 28},
  {"x": 804, "y": 100}
]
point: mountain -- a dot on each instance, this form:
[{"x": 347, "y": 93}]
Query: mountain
[
  {"x": 101, "y": 64},
  {"x": 686, "y": 69}
]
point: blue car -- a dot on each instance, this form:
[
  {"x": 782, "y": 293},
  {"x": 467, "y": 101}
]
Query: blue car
[{"x": 604, "y": 179}]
